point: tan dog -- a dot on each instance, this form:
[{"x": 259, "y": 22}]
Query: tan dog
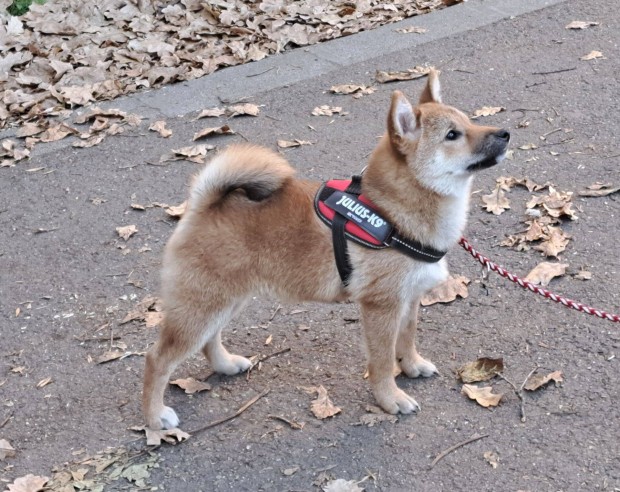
[{"x": 250, "y": 228}]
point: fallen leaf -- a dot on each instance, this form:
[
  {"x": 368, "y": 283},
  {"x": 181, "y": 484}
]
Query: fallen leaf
[
  {"x": 290, "y": 471},
  {"x": 28, "y": 483},
  {"x": 284, "y": 144},
  {"x": 581, "y": 24},
  {"x": 487, "y": 111},
  {"x": 126, "y": 232},
  {"x": 208, "y": 132},
  {"x": 481, "y": 369},
  {"x": 142, "y": 310},
  {"x": 411, "y": 29},
  {"x": 6, "y": 450},
  {"x": 544, "y": 272},
  {"x": 322, "y": 407},
  {"x": 341, "y": 485},
  {"x": 160, "y": 127},
  {"x": 592, "y": 56},
  {"x": 483, "y": 395},
  {"x": 191, "y": 385},
  {"x": 375, "y": 416},
  {"x": 539, "y": 381},
  {"x": 155, "y": 437},
  {"x": 176, "y": 211},
  {"x": 269, "y": 339},
  {"x": 507, "y": 183},
  {"x": 529, "y": 146},
  {"x": 492, "y": 458},
  {"x": 455, "y": 286},
  {"x": 246, "y": 109},
  {"x": 599, "y": 189},
  {"x": 410, "y": 74},
  {"x": 554, "y": 243},
  {"x": 108, "y": 356},
  {"x": 44, "y": 382},
  {"x": 211, "y": 113},
  {"x": 193, "y": 153},
  {"x": 358, "y": 90},
  {"x": 583, "y": 275},
  {"x": 326, "y": 110},
  {"x": 496, "y": 202}
]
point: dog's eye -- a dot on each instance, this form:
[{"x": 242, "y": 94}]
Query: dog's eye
[{"x": 453, "y": 135}]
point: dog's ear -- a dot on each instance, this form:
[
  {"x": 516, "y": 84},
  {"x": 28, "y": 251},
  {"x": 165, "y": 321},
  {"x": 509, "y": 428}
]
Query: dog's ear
[
  {"x": 402, "y": 120},
  {"x": 432, "y": 91}
]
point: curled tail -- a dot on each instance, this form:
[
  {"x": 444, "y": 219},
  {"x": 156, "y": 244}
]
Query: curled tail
[{"x": 256, "y": 170}]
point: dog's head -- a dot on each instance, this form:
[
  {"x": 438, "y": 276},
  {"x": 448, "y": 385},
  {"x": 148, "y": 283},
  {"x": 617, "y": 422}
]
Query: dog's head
[{"x": 439, "y": 143}]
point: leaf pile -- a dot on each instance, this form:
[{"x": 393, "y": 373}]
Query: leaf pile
[
  {"x": 68, "y": 53},
  {"x": 545, "y": 215}
]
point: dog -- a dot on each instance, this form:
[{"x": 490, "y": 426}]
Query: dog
[{"x": 250, "y": 227}]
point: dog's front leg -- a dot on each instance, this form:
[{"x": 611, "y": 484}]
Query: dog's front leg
[
  {"x": 381, "y": 324},
  {"x": 407, "y": 356}
]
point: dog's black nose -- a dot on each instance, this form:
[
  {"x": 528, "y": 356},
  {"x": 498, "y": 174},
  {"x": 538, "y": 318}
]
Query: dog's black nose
[{"x": 502, "y": 134}]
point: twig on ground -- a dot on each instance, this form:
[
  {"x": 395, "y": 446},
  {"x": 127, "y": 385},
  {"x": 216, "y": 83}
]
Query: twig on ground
[
  {"x": 555, "y": 71},
  {"x": 6, "y": 421},
  {"x": 445, "y": 453},
  {"x": 293, "y": 425},
  {"x": 260, "y": 73},
  {"x": 264, "y": 358},
  {"x": 242, "y": 409},
  {"x": 519, "y": 391},
  {"x": 275, "y": 312}
]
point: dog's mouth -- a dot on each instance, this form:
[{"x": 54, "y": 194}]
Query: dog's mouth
[{"x": 483, "y": 164}]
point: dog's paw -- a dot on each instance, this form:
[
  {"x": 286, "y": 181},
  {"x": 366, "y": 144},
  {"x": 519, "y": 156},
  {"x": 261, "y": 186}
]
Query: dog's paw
[
  {"x": 415, "y": 368},
  {"x": 233, "y": 364},
  {"x": 168, "y": 418},
  {"x": 396, "y": 401}
]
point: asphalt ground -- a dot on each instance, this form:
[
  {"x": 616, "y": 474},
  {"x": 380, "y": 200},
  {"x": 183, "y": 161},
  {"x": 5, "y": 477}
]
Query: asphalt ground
[{"x": 75, "y": 278}]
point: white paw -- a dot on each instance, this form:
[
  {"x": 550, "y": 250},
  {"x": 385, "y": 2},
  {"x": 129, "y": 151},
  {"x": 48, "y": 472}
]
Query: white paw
[
  {"x": 169, "y": 419},
  {"x": 233, "y": 364},
  {"x": 397, "y": 401},
  {"x": 419, "y": 367}
]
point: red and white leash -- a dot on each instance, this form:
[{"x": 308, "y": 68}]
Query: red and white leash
[{"x": 534, "y": 288}]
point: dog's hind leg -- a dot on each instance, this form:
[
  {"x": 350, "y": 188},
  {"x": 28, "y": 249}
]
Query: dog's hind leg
[
  {"x": 381, "y": 324},
  {"x": 181, "y": 335},
  {"x": 407, "y": 356},
  {"x": 220, "y": 359}
]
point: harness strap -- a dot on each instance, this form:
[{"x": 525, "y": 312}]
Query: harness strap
[{"x": 341, "y": 250}]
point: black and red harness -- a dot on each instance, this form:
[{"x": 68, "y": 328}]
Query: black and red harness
[{"x": 340, "y": 204}]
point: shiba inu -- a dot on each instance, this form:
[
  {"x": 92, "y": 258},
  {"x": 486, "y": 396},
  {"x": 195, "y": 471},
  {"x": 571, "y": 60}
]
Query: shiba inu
[{"x": 250, "y": 227}]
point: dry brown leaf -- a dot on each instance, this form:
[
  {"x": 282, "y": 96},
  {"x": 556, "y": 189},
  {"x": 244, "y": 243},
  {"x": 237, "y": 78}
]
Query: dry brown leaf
[
  {"x": 246, "y": 109},
  {"x": 483, "y": 395},
  {"x": 126, "y": 232},
  {"x": 191, "y": 385},
  {"x": 6, "y": 450},
  {"x": 593, "y": 55},
  {"x": 599, "y": 189},
  {"x": 358, "y": 90},
  {"x": 211, "y": 113},
  {"x": 160, "y": 127},
  {"x": 411, "y": 29},
  {"x": 496, "y": 202},
  {"x": 544, "y": 272},
  {"x": 410, "y": 74},
  {"x": 557, "y": 203},
  {"x": 193, "y": 153},
  {"x": 90, "y": 141},
  {"x": 285, "y": 144},
  {"x": 326, "y": 110},
  {"x": 375, "y": 416},
  {"x": 143, "y": 309},
  {"x": 342, "y": 485},
  {"x": 492, "y": 458},
  {"x": 583, "y": 275},
  {"x": 554, "y": 243},
  {"x": 528, "y": 146},
  {"x": 455, "y": 286},
  {"x": 28, "y": 483},
  {"x": 481, "y": 369},
  {"x": 507, "y": 183},
  {"x": 109, "y": 356},
  {"x": 209, "y": 132},
  {"x": 269, "y": 340},
  {"x": 487, "y": 111},
  {"x": 581, "y": 24},
  {"x": 176, "y": 211},
  {"x": 539, "y": 381},
  {"x": 155, "y": 437},
  {"x": 44, "y": 382},
  {"x": 322, "y": 407}
]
